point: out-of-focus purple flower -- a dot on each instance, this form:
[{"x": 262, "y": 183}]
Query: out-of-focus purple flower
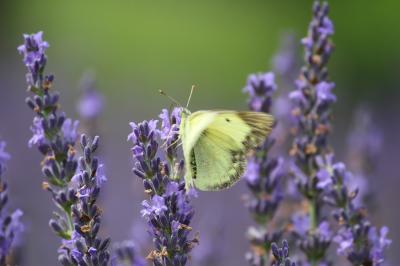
[
  {"x": 260, "y": 88},
  {"x": 10, "y": 224},
  {"x": 126, "y": 254},
  {"x": 379, "y": 243},
  {"x": 324, "y": 230},
  {"x": 326, "y": 27},
  {"x": 4, "y": 157},
  {"x": 313, "y": 167},
  {"x": 364, "y": 147},
  {"x": 252, "y": 173},
  {"x": 324, "y": 179},
  {"x": 285, "y": 61},
  {"x": 363, "y": 244},
  {"x": 344, "y": 238},
  {"x": 91, "y": 104},
  {"x": 263, "y": 174},
  {"x": 301, "y": 223},
  {"x": 324, "y": 92},
  {"x": 69, "y": 130}
]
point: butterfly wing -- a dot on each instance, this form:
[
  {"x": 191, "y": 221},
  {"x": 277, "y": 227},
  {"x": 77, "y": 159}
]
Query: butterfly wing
[
  {"x": 218, "y": 156},
  {"x": 191, "y": 127}
]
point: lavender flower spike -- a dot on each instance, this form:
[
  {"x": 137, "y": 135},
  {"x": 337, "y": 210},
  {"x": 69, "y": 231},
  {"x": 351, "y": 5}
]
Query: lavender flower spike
[
  {"x": 10, "y": 224},
  {"x": 35, "y": 59},
  {"x": 53, "y": 134},
  {"x": 86, "y": 248},
  {"x": 263, "y": 175},
  {"x": 322, "y": 181},
  {"x": 169, "y": 210},
  {"x": 311, "y": 116},
  {"x": 78, "y": 219}
]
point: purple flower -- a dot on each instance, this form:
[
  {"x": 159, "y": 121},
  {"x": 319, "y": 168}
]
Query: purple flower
[
  {"x": 326, "y": 27},
  {"x": 324, "y": 179},
  {"x": 86, "y": 214},
  {"x": 263, "y": 173},
  {"x": 69, "y": 130},
  {"x": 4, "y": 157},
  {"x": 301, "y": 223},
  {"x": 170, "y": 123},
  {"x": 156, "y": 205},
  {"x": 324, "y": 230},
  {"x": 314, "y": 171},
  {"x": 379, "y": 243},
  {"x": 147, "y": 129},
  {"x": 10, "y": 224},
  {"x": 281, "y": 255},
  {"x": 33, "y": 51},
  {"x": 91, "y": 104},
  {"x": 75, "y": 194},
  {"x": 101, "y": 177},
  {"x": 260, "y": 88},
  {"x": 252, "y": 171},
  {"x": 33, "y": 48},
  {"x": 324, "y": 92},
  {"x": 172, "y": 187},
  {"x": 285, "y": 61},
  {"x": 169, "y": 210},
  {"x": 364, "y": 147},
  {"x": 345, "y": 240},
  {"x": 38, "y": 137},
  {"x": 126, "y": 253}
]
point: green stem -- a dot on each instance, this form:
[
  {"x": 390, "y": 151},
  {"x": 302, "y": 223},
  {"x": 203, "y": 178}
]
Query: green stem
[
  {"x": 266, "y": 258},
  {"x": 313, "y": 214},
  {"x": 313, "y": 223}
]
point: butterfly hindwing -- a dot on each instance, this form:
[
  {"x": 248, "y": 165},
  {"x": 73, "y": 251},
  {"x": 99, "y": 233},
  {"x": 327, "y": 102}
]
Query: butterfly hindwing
[
  {"x": 217, "y": 164},
  {"x": 218, "y": 155}
]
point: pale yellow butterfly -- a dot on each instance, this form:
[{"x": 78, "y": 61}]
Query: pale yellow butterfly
[{"x": 215, "y": 144}]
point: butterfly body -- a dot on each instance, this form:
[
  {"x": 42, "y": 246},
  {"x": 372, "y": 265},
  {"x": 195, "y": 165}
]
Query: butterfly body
[{"x": 215, "y": 145}]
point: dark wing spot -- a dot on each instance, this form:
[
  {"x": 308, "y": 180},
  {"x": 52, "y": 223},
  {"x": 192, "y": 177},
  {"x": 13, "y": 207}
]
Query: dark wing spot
[
  {"x": 227, "y": 120},
  {"x": 193, "y": 164}
]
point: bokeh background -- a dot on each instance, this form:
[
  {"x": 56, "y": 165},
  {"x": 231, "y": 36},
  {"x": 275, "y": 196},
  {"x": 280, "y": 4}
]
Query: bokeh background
[{"x": 138, "y": 47}]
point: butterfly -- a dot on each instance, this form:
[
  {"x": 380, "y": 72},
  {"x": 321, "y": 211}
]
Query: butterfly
[{"x": 216, "y": 143}]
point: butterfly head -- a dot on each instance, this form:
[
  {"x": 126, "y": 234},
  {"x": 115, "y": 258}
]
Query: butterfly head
[{"x": 185, "y": 112}]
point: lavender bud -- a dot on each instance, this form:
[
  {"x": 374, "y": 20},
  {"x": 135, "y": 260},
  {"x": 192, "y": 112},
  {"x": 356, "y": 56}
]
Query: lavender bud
[
  {"x": 95, "y": 143},
  {"x": 83, "y": 141},
  {"x": 55, "y": 226},
  {"x": 30, "y": 103}
]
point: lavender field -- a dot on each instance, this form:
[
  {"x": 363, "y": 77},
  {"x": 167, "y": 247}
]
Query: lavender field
[{"x": 97, "y": 167}]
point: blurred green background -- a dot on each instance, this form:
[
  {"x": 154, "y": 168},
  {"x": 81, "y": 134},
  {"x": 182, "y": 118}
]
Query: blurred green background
[{"x": 138, "y": 47}]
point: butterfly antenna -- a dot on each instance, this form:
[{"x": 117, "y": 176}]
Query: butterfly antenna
[
  {"x": 190, "y": 96},
  {"x": 169, "y": 97}
]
